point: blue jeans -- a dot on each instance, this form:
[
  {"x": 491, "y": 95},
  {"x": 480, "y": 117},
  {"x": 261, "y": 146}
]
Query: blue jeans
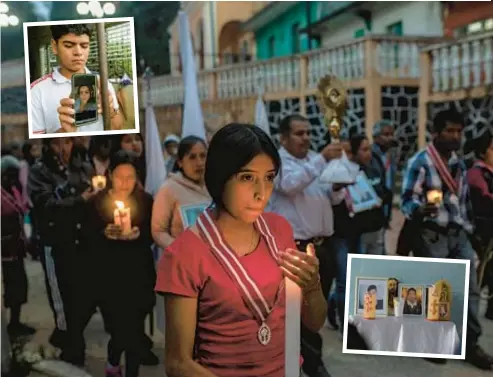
[{"x": 342, "y": 247}]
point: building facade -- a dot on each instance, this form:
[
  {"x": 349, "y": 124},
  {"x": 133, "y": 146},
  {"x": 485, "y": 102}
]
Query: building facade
[
  {"x": 472, "y": 17},
  {"x": 217, "y": 36},
  {"x": 359, "y": 19},
  {"x": 278, "y": 28}
]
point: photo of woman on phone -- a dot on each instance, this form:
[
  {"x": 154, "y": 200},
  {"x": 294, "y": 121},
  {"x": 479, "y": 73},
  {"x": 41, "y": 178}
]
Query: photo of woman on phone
[{"x": 85, "y": 99}]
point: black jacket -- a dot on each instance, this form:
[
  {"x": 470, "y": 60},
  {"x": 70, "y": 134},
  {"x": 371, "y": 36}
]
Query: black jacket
[
  {"x": 125, "y": 267},
  {"x": 58, "y": 214}
]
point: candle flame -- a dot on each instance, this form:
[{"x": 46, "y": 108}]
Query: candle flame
[{"x": 119, "y": 204}]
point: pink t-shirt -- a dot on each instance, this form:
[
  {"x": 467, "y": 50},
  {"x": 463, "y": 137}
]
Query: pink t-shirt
[{"x": 226, "y": 337}]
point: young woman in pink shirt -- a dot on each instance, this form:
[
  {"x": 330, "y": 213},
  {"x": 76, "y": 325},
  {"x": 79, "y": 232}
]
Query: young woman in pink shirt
[{"x": 223, "y": 277}]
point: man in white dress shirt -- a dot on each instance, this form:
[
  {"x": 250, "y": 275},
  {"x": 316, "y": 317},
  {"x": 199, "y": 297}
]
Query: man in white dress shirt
[
  {"x": 306, "y": 203},
  {"x": 51, "y": 108}
]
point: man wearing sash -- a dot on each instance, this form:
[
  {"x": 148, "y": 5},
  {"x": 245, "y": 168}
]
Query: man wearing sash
[
  {"x": 306, "y": 203},
  {"x": 445, "y": 225}
]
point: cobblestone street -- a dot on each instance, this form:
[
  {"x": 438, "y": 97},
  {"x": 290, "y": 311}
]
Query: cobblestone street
[{"x": 38, "y": 314}]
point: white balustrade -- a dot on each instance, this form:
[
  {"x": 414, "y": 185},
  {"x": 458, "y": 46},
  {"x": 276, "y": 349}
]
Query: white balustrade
[
  {"x": 399, "y": 57},
  {"x": 463, "y": 64},
  {"x": 345, "y": 61}
]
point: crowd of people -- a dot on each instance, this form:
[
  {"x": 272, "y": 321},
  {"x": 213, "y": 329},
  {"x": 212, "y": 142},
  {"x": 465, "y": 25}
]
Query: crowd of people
[{"x": 229, "y": 214}]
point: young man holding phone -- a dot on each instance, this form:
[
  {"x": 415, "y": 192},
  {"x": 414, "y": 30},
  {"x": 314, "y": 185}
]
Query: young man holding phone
[{"x": 52, "y": 109}]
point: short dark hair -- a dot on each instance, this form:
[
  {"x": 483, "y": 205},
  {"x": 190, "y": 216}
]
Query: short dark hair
[
  {"x": 186, "y": 144},
  {"x": 371, "y": 288},
  {"x": 442, "y": 118},
  {"x": 230, "y": 149},
  {"x": 123, "y": 157},
  {"x": 411, "y": 290},
  {"x": 58, "y": 31},
  {"x": 285, "y": 124},
  {"x": 482, "y": 143}
]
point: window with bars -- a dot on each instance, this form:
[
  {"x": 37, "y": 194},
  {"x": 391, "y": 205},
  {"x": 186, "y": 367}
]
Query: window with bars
[{"x": 118, "y": 51}]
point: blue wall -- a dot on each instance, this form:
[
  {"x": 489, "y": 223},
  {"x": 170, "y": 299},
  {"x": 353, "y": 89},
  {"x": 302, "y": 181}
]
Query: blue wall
[
  {"x": 413, "y": 272},
  {"x": 281, "y": 29}
]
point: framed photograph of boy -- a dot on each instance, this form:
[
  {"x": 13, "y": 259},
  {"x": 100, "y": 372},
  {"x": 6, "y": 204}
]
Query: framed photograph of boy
[
  {"x": 413, "y": 298},
  {"x": 377, "y": 286},
  {"x": 363, "y": 196}
]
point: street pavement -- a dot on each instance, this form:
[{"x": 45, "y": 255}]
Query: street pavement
[{"x": 38, "y": 314}]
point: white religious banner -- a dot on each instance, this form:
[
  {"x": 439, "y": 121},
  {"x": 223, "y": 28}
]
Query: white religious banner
[
  {"x": 193, "y": 119},
  {"x": 261, "y": 118},
  {"x": 156, "y": 174}
]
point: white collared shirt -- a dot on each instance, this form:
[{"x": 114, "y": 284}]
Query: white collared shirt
[
  {"x": 46, "y": 94},
  {"x": 302, "y": 199}
]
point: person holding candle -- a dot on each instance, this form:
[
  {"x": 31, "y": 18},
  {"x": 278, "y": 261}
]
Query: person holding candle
[
  {"x": 122, "y": 264},
  {"x": 214, "y": 326},
  {"x": 444, "y": 229},
  {"x": 480, "y": 179},
  {"x": 133, "y": 143},
  {"x": 183, "y": 196}
]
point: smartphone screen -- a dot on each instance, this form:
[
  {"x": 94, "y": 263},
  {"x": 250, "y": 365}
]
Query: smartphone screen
[{"x": 84, "y": 92}]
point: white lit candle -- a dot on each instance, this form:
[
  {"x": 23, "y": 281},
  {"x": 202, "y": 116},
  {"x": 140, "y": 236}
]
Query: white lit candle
[
  {"x": 292, "y": 329},
  {"x": 434, "y": 197},
  {"x": 98, "y": 182},
  {"x": 122, "y": 217}
]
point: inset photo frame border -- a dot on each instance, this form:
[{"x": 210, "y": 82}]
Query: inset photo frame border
[
  {"x": 349, "y": 277},
  {"x": 134, "y": 78}
]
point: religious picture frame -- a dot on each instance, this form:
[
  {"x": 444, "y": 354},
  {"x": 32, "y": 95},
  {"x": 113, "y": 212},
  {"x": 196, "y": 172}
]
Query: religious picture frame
[
  {"x": 364, "y": 285},
  {"x": 363, "y": 195},
  {"x": 413, "y": 298},
  {"x": 191, "y": 212}
]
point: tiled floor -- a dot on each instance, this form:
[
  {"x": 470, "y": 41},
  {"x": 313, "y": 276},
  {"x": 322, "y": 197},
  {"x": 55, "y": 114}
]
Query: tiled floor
[{"x": 38, "y": 314}]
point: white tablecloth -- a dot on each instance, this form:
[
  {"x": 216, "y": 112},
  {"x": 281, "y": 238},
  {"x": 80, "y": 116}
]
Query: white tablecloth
[{"x": 408, "y": 334}]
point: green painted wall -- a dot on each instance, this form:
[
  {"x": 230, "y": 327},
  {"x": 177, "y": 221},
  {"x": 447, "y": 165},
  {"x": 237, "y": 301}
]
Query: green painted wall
[{"x": 276, "y": 39}]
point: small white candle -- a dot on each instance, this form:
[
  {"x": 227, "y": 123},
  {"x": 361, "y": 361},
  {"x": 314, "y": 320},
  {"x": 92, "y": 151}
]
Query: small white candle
[
  {"x": 434, "y": 197},
  {"x": 293, "y": 329},
  {"x": 122, "y": 217},
  {"x": 98, "y": 182}
]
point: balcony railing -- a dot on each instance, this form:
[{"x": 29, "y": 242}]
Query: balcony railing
[
  {"x": 374, "y": 56},
  {"x": 463, "y": 64}
]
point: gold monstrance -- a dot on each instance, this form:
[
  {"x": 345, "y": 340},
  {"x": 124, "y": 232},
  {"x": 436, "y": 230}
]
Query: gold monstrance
[{"x": 333, "y": 97}]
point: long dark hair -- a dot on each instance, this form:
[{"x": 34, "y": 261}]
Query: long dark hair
[{"x": 186, "y": 144}]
